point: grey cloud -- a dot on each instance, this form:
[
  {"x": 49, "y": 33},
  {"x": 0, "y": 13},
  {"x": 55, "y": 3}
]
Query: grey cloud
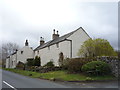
[{"x": 98, "y": 19}]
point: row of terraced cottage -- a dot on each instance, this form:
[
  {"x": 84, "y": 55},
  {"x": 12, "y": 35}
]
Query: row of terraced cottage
[{"x": 68, "y": 44}]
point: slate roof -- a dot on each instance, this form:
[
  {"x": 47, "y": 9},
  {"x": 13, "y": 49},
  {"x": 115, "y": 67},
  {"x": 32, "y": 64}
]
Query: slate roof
[
  {"x": 51, "y": 42},
  {"x": 14, "y": 53},
  {"x": 11, "y": 54},
  {"x": 8, "y": 56}
]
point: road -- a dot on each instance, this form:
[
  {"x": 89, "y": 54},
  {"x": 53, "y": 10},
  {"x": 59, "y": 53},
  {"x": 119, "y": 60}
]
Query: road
[
  {"x": 12, "y": 80},
  {"x": 15, "y": 81}
]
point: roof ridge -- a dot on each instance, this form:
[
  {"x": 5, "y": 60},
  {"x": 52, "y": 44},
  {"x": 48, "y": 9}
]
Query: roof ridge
[{"x": 61, "y": 38}]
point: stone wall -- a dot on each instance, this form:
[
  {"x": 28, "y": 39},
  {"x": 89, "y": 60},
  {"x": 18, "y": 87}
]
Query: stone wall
[{"x": 114, "y": 64}]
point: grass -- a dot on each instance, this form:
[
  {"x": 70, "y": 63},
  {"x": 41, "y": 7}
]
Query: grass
[{"x": 61, "y": 75}]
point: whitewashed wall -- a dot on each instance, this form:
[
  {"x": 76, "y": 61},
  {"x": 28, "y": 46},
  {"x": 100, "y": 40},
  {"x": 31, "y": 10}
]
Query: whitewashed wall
[
  {"x": 7, "y": 62},
  {"x": 14, "y": 59},
  {"x": 52, "y": 54},
  {"x": 78, "y": 38},
  {"x": 10, "y": 62},
  {"x": 27, "y": 53}
]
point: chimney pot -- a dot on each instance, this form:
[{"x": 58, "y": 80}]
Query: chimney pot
[
  {"x": 57, "y": 32},
  {"x": 41, "y": 41},
  {"x": 53, "y": 31},
  {"x": 26, "y": 43},
  {"x": 55, "y": 36}
]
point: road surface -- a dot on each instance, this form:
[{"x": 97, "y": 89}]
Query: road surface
[
  {"x": 15, "y": 81},
  {"x": 12, "y": 80}
]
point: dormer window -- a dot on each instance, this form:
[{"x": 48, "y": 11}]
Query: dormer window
[{"x": 21, "y": 52}]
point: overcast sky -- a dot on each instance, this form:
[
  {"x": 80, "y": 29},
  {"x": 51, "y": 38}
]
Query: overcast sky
[{"x": 31, "y": 19}]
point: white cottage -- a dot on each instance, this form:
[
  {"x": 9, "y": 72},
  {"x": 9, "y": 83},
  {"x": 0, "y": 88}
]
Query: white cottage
[
  {"x": 69, "y": 44},
  {"x": 8, "y": 62},
  {"x": 20, "y": 55}
]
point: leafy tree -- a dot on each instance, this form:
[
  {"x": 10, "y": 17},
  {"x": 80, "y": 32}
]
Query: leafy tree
[
  {"x": 96, "y": 47},
  {"x": 37, "y": 61},
  {"x": 87, "y": 48}
]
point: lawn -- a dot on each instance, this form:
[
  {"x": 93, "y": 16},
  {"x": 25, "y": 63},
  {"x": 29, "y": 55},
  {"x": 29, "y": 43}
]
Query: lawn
[{"x": 61, "y": 75}]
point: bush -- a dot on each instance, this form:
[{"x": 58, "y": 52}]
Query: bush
[
  {"x": 96, "y": 68},
  {"x": 20, "y": 65},
  {"x": 74, "y": 65},
  {"x": 65, "y": 64},
  {"x": 30, "y": 62},
  {"x": 37, "y": 61},
  {"x": 49, "y": 64}
]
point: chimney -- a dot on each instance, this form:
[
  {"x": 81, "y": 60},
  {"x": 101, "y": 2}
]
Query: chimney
[
  {"x": 55, "y": 36},
  {"x": 41, "y": 41},
  {"x": 26, "y": 43},
  {"x": 16, "y": 50}
]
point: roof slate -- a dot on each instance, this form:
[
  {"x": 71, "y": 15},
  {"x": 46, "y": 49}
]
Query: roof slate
[{"x": 51, "y": 42}]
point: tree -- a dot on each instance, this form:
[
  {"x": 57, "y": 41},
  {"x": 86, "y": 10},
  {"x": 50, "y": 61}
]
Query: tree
[
  {"x": 96, "y": 47},
  {"x": 37, "y": 61},
  {"x": 87, "y": 48},
  {"x": 8, "y": 49}
]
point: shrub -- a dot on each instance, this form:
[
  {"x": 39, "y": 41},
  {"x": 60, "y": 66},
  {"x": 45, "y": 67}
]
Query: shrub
[
  {"x": 30, "y": 62},
  {"x": 20, "y": 65},
  {"x": 37, "y": 61},
  {"x": 74, "y": 65},
  {"x": 49, "y": 64},
  {"x": 96, "y": 68},
  {"x": 65, "y": 64}
]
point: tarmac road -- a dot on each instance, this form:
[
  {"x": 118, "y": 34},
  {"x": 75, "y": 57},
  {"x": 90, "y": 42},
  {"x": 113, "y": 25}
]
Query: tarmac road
[{"x": 15, "y": 81}]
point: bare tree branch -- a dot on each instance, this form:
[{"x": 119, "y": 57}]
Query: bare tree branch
[{"x": 8, "y": 49}]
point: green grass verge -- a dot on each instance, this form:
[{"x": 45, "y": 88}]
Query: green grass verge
[{"x": 61, "y": 75}]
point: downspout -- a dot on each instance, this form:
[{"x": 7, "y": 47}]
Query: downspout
[{"x": 70, "y": 47}]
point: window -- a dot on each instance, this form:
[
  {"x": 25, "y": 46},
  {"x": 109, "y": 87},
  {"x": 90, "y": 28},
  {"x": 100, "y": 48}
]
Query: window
[
  {"x": 38, "y": 52},
  {"x": 21, "y": 52},
  {"x": 57, "y": 45},
  {"x": 12, "y": 63}
]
